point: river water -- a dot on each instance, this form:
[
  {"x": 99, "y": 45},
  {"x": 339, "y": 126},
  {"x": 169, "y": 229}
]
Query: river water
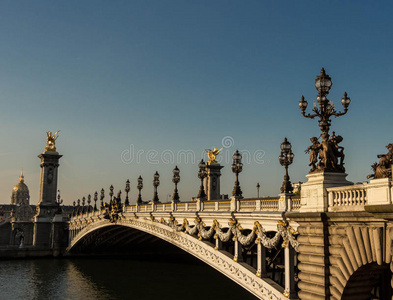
[{"x": 114, "y": 278}]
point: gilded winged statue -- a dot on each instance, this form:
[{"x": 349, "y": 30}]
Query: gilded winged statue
[
  {"x": 50, "y": 141},
  {"x": 212, "y": 155}
]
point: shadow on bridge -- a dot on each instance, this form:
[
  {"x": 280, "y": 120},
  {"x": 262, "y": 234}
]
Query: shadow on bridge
[{"x": 123, "y": 240}]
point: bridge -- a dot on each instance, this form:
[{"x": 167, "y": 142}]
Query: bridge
[{"x": 248, "y": 240}]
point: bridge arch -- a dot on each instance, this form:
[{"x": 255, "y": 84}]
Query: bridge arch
[
  {"x": 360, "y": 265},
  {"x": 222, "y": 261}
]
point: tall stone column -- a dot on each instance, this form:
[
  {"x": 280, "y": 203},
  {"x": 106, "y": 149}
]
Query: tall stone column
[
  {"x": 48, "y": 183},
  {"x": 47, "y": 206},
  {"x": 212, "y": 181}
]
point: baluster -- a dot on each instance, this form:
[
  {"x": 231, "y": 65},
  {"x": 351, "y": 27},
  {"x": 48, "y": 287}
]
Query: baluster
[
  {"x": 289, "y": 258},
  {"x": 261, "y": 259},
  {"x": 218, "y": 242},
  {"x": 237, "y": 256}
]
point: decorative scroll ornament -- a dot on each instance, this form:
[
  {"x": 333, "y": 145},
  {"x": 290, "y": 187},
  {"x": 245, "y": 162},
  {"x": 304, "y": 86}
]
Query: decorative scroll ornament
[{"x": 383, "y": 169}]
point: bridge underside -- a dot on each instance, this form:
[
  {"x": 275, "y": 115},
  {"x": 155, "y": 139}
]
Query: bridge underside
[{"x": 123, "y": 240}]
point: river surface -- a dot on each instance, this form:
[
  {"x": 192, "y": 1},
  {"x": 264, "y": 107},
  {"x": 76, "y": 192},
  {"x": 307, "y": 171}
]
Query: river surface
[{"x": 114, "y": 278}]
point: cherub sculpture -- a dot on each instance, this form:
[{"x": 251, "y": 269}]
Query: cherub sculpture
[
  {"x": 50, "y": 141},
  {"x": 337, "y": 151},
  {"x": 212, "y": 155},
  {"x": 313, "y": 150}
]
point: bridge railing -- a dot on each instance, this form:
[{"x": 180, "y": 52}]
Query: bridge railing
[
  {"x": 240, "y": 205},
  {"x": 347, "y": 198}
]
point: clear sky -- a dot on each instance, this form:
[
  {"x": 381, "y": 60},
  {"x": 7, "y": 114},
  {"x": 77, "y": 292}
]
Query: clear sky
[{"x": 134, "y": 85}]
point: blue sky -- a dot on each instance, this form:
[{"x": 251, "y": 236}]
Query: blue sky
[{"x": 163, "y": 78}]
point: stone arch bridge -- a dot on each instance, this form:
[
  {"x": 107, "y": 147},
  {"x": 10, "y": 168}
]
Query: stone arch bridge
[{"x": 275, "y": 251}]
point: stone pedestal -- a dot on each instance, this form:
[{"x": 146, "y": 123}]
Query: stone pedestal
[
  {"x": 314, "y": 196},
  {"x": 379, "y": 191},
  {"x": 42, "y": 232},
  {"x": 235, "y": 203},
  {"x": 285, "y": 201},
  {"x": 212, "y": 181}
]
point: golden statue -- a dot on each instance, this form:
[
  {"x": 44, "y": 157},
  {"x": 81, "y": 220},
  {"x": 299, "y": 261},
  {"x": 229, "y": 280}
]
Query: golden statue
[
  {"x": 212, "y": 155},
  {"x": 50, "y": 141}
]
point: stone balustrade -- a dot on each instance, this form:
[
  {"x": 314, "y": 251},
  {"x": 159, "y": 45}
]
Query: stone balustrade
[
  {"x": 347, "y": 198},
  {"x": 355, "y": 197},
  {"x": 241, "y": 205}
]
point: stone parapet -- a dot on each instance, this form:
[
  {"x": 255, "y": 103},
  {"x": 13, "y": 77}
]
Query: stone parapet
[
  {"x": 314, "y": 196},
  {"x": 379, "y": 191}
]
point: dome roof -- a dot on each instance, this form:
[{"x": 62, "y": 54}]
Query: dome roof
[{"x": 20, "y": 192}]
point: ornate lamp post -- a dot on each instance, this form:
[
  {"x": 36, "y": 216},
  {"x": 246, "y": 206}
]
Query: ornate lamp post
[
  {"x": 127, "y": 190},
  {"x": 286, "y": 158},
  {"x": 156, "y": 183},
  {"x": 328, "y": 149},
  {"x": 88, "y": 202},
  {"x": 79, "y": 206},
  {"x": 140, "y": 187},
  {"x": 83, "y": 205},
  {"x": 111, "y": 192},
  {"x": 202, "y": 174},
  {"x": 258, "y": 186},
  {"x": 95, "y": 200},
  {"x": 73, "y": 208},
  {"x": 176, "y": 180},
  {"x": 237, "y": 167},
  {"x": 102, "y": 196}
]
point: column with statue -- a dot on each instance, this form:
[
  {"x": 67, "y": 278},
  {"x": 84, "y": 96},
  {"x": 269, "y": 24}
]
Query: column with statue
[
  {"x": 212, "y": 180},
  {"x": 48, "y": 208}
]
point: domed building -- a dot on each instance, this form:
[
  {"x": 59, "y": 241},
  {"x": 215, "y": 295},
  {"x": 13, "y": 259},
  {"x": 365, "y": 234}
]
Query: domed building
[{"x": 20, "y": 193}]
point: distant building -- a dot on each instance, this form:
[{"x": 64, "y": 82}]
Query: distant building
[
  {"x": 297, "y": 187},
  {"x": 20, "y": 192}
]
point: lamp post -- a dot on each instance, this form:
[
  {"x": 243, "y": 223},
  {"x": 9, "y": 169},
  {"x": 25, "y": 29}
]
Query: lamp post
[
  {"x": 88, "y": 202},
  {"x": 237, "y": 167},
  {"x": 83, "y": 205},
  {"x": 156, "y": 183},
  {"x": 102, "y": 196},
  {"x": 324, "y": 110},
  {"x": 176, "y": 180},
  {"x": 140, "y": 187},
  {"x": 202, "y": 174},
  {"x": 127, "y": 190},
  {"x": 286, "y": 158},
  {"x": 110, "y": 193},
  {"x": 95, "y": 200},
  {"x": 78, "y": 207},
  {"x": 258, "y": 186},
  {"x": 73, "y": 209}
]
